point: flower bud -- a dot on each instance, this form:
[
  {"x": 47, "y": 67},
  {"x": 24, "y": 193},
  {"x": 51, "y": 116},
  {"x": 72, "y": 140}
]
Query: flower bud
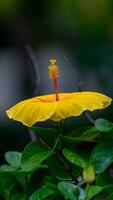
[{"x": 89, "y": 174}]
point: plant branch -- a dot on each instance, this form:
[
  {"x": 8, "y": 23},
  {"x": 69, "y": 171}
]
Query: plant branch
[
  {"x": 67, "y": 167},
  {"x": 44, "y": 143},
  {"x": 57, "y": 152}
]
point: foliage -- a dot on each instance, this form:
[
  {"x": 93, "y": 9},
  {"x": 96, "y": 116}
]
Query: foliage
[{"x": 61, "y": 164}]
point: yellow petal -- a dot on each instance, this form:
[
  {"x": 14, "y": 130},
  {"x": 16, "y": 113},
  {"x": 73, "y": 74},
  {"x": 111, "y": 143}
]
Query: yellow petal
[
  {"x": 73, "y": 104},
  {"x": 66, "y": 109},
  {"x": 31, "y": 111},
  {"x": 92, "y": 100},
  {"x": 46, "y": 107}
]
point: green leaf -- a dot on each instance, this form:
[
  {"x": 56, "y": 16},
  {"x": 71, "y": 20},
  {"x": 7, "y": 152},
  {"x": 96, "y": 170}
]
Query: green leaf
[
  {"x": 103, "y": 125},
  {"x": 11, "y": 191},
  {"x": 41, "y": 193},
  {"x": 102, "y": 155},
  {"x": 46, "y": 133},
  {"x": 8, "y": 186},
  {"x": 33, "y": 155},
  {"x": 13, "y": 158},
  {"x": 110, "y": 197},
  {"x": 104, "y": 179},
  {"x": 48, "y": 179},
  {"x": 22, "y": 181},
  {"x": 19, "y": 196},
  {"x": 71, "y": 191},
  {"x": 6, "y": 168},
  {"x": 11, "y": 171},
  {"x": 20, "y": 172},
  {"x": 77, "y": 132},
  {"x": 6, "y": 183},
  {"x": 75, "y": 158},
  {"x": 57, "y": 169},
  {"x": 92, "y": 191},
  {"x": 90, "y": 135},
  {"x": 69, "y": 139}
]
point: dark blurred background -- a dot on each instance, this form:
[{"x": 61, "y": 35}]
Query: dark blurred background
[{"x": 79, "y": 34}]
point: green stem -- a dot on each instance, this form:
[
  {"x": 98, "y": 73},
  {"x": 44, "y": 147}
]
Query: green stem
[
  {"x": 57, "y": 149},
  {"x": 87, "y": 188},
  {"x": 44, "y": 143},
  {"x": 61, "y": 124},
  {"x": 58, "y": 153},
  {"x": 66, "y": 166}
]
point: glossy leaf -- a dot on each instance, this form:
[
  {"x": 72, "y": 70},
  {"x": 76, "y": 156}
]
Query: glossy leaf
[
  {"x": 34, "y": 154},
  {"x": 90, "y": 135},
  {"x": 71, "y": 191},
  {"x": 103, "y": 125},
  {"x": 92, "y": 191},
  {"x": 75, "y": 158},
  {"x": 20, "y": 172},
  {"x": 102, "y": 155},
  {"x": 41, "y": 193},
  {"x": 13, "y": 158},
  {"x": 68, "y": 139},
  {"x": 6, "y": 168}
]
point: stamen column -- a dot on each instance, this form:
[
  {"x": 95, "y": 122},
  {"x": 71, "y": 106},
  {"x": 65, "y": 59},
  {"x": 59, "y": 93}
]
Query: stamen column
[{"x": 54, "y": 74}]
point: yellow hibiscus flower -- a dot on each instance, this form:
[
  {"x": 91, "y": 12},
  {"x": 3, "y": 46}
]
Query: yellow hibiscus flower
[{"x": 57, "y": 106}]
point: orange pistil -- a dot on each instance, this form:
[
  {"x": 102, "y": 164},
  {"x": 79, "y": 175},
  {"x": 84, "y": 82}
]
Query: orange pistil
[{"x": 54, "y": 74}]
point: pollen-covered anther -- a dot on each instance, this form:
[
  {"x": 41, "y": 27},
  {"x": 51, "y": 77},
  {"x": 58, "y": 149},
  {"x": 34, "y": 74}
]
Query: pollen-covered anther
[{"x": 53, "y": 70}]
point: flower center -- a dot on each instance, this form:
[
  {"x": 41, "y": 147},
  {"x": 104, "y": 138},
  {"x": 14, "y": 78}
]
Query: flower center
[{"x": 54, "y": 74}]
